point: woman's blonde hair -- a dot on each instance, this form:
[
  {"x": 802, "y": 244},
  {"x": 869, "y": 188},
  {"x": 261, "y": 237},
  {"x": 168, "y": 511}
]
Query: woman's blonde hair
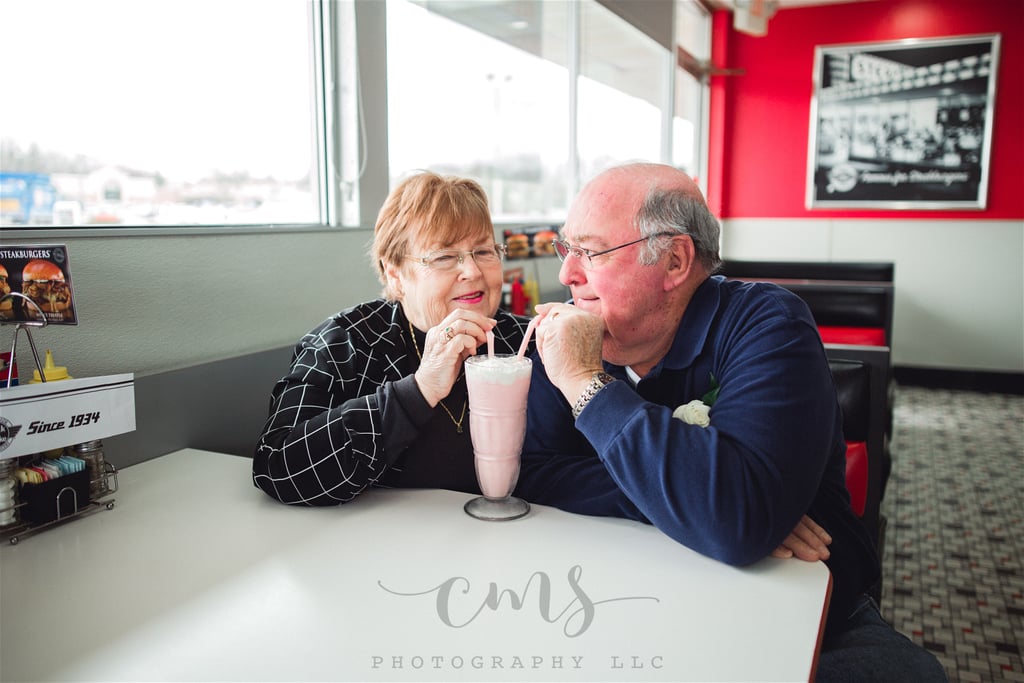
[{"x": 427, "y": 208}]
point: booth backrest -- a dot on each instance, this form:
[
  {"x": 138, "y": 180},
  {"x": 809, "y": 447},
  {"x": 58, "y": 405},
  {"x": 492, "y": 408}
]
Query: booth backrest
[
  {"x": 851, "y": 301},
  {"x": 841, "y": 305},
  {"x": 218, "y": 406},
  {"x": 858, "y": 271}
]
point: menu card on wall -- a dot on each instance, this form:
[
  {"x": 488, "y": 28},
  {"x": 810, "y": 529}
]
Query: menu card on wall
[{"x": 35, "y": 284}]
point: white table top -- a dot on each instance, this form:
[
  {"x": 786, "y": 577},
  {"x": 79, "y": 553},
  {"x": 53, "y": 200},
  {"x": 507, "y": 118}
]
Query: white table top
[{"x": 197, "y": 575}]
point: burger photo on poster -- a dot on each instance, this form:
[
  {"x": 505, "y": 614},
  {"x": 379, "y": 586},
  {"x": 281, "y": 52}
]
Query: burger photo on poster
[
  {"x": 543, "y": 243},
  {"x": 517, "y": 246},
  {"x": 43, "y": 282},
  {"x": 6, "y": 305}
]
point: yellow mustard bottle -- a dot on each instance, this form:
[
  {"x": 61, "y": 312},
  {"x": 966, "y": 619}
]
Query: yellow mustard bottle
[
  {"x": 53, "y": 373},
  {"x": 51, "y": 370}
]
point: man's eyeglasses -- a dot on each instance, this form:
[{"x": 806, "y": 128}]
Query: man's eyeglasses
[
  {"x": 563, "y": 249},
  {"x": 450, "y": 259}
]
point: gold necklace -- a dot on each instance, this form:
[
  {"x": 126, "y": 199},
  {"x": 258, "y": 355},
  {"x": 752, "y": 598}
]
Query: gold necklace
[{"x": 462, "y": 415}]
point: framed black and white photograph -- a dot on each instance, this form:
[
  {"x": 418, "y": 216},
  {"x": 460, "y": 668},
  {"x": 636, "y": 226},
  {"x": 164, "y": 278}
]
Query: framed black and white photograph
[{"x": 902, "y": 125}]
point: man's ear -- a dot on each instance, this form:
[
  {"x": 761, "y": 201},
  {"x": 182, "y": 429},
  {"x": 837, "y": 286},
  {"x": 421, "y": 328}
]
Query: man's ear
[{"x": 682, "y": 261}]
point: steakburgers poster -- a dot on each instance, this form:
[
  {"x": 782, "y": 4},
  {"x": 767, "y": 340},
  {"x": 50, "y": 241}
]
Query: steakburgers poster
[{"x": 35, "y": 284}]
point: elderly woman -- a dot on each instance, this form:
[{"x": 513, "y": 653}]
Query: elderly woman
[{"x": 376, "y": 395}]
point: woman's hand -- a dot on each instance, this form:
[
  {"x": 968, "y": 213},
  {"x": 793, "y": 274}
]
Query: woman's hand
[
  {"x": 447, "y": 345},
  {"x": 808, "y": 542}
]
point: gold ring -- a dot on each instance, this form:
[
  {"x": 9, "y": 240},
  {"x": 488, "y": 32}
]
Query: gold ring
[{"x": 448, "y": 334}]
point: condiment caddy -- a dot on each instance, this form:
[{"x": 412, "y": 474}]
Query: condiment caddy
[
  {"x": 52, "y": 464},
  {"x": 38, "y": 491}
]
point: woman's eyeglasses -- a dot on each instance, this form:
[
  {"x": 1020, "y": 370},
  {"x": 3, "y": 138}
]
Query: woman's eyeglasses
[
  {"x": 563, "y": 249},
  {"x": 450, "y": 259}
]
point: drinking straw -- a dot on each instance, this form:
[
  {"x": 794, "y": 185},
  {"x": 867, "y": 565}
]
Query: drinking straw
[
  {"x": 490, "y": 343},
  {"x": 526, "y": 337}
]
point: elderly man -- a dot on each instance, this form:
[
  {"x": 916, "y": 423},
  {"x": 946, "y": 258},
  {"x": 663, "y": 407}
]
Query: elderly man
[{"x": 618, "y": 423}]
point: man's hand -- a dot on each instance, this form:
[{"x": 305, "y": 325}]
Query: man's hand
[
  {"x": 808, "y": 542},
  {"x": 569, "y": 342}
]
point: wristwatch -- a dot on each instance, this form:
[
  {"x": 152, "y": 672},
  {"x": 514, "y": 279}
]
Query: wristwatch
[{"x": 598, "y": 382}]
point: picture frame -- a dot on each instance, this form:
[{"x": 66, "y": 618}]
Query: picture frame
[{"x": 902, "y": 125}]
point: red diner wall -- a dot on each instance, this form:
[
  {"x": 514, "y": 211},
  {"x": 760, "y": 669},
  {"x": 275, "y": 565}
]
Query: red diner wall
[{"x": 759, "y": 121}]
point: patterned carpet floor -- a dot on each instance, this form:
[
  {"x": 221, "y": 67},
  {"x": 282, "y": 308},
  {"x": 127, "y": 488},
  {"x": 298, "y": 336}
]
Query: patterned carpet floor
[{"x": 953, "y": 561}]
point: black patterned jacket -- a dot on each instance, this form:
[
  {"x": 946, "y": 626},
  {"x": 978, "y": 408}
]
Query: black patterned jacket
[{"x": 348, "y": 414}]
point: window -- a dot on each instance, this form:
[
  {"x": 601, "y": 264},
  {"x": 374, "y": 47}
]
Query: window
[
  {"x": 622, "y": 92},
  {"x": 159, "y": 113},
  {"x": 283, "y": 112},
  {"x": 480, "y": 90},
  {"x": 529, "y": 97}
]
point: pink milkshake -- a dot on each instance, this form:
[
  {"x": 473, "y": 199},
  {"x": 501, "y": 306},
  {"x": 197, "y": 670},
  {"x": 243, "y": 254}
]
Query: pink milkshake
[{"x": 498, "y": 386}]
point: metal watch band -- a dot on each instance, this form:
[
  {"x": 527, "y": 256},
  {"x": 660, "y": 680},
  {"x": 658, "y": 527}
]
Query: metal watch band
[{"x": 598, "y": 382}]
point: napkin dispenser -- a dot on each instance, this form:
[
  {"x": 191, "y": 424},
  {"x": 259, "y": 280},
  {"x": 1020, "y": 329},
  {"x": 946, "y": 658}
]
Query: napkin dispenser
[{"x": 55, "y": 499}]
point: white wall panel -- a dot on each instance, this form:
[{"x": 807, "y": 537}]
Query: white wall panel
[
  {"x": 149, "y": 304},
  {"x": 783, "y": 239},
  {"x": 959, "y": 284}
]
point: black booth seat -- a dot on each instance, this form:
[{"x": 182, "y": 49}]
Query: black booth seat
[{"x": 861, "y": 376}]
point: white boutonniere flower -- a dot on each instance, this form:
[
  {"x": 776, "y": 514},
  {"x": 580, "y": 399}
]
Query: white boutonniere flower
[
  {"x": 698, "y": 411},
  {"x": 695, "y": 413}
]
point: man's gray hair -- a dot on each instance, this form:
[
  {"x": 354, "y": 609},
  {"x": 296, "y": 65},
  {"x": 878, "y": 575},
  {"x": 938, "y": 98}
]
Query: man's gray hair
[{"x": 676, "y": 211}]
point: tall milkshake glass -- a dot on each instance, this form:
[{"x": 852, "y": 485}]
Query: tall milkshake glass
[{"x": 497, "y": 387}]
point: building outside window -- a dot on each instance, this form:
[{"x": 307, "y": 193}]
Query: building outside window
[{"x": 160, "y": 113}]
